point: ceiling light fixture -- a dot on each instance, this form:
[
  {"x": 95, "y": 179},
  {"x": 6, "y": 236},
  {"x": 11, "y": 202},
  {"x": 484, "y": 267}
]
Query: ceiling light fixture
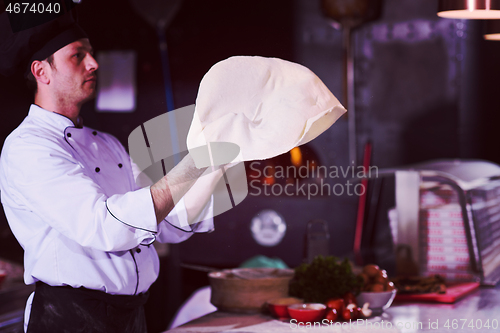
[
  {"x": 469, "y": 9},
  {"x": 492, "y": 30}
]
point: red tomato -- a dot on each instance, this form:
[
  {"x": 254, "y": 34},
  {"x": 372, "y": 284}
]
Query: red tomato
[
  {"x": 336, "y": 303},
  {"x": 349, "y": 298},
  {"x": 347, "y": 314},
  {"x": 350, "y": 312},
  {"x": 331, "y": 314}
]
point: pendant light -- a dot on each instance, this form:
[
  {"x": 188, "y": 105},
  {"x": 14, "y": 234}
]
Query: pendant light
[
  {"x": 492, "y": 30},
  {"x": 469, "y": 9}
]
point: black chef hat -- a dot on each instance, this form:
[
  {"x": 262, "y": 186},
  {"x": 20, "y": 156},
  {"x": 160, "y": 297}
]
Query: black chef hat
[{"x": 27, "y": 36}]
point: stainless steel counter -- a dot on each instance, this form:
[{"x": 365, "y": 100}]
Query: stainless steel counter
[{"x": 470, "y": 314}]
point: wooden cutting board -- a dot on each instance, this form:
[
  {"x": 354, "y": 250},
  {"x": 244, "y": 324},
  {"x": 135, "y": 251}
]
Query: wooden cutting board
[{"x": 453, "y": 294}]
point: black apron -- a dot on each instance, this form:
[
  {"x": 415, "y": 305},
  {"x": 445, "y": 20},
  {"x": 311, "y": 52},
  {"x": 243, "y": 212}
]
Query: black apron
[{"x": 69, "y": 310}]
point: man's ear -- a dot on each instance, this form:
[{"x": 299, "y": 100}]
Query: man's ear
[{"x": 39, "y": 71}]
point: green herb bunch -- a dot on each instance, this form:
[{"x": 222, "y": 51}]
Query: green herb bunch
[{"x": 324, "y": 278}]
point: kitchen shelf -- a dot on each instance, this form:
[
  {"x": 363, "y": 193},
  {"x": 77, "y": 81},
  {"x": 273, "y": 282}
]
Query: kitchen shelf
[{"x": 477, "y": 185}]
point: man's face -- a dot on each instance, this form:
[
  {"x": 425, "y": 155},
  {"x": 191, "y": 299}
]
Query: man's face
[{"x": 72, "y": 75}]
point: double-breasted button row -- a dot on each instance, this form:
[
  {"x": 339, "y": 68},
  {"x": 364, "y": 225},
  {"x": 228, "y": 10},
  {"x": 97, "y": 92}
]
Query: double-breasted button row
[{"x": 97, "y": 169}]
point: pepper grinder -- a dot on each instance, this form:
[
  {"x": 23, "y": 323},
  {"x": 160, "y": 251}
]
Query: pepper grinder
[{"x": 317, "y": 240}]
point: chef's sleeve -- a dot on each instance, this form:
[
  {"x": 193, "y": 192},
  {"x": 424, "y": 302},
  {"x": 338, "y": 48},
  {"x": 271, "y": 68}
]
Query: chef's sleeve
[
  {"x": 176, "y": 227},
  {"x": 48, "y": 180}
]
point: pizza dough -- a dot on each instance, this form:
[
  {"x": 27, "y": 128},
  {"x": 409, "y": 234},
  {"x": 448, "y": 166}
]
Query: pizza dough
[{"x": 266, "y": 106}]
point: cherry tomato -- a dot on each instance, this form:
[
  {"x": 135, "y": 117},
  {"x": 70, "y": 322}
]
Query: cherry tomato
[
  {"x": 350, "y": 312},
  {"x": 389, "y": 286},
  {"x": 347, "y": 314},
  {"x": 377, "y": 287},
  {"x": 331, "y": 314},
  {"x": 371, "y": 270},
  {"x": 349, "y": 298},
  {"x": 366, "y": 278},
  {"x": 335, "y": 303},
  {"x": 381, "y": 277}
]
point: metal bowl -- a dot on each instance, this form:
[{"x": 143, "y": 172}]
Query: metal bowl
[{"x": 379, "y": 301}]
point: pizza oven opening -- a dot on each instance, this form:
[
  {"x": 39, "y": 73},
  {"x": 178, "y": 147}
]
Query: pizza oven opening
[{"x": 290, "y": 170}]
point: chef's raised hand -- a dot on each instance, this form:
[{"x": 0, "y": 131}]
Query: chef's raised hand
[{"x": 197, "y": 186}]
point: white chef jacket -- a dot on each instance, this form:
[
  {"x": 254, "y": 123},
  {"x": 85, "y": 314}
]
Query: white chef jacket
[{"x": 72, "y": 202}]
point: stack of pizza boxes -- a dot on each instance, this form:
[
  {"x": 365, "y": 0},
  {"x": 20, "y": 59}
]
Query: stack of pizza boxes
[
  {"x": 485, "y": 203},
  {"x": 443, "y": 241}
]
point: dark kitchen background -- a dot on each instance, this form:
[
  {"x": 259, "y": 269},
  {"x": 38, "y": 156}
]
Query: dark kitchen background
[{"x": 425, "y": 88}]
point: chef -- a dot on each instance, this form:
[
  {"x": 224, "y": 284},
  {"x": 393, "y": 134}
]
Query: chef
[{"x": 71, "y": 197}]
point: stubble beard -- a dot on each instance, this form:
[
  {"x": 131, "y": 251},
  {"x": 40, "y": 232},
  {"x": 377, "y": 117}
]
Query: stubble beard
[{"x": 88, "y": 93}]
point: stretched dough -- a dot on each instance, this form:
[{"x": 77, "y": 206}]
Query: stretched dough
[{"x": 266, "y": 106}]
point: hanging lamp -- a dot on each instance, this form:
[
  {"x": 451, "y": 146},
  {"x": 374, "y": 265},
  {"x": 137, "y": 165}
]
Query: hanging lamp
[
  {"x": 469, "y": 9},
  {"x": 492, "y": 31}
]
